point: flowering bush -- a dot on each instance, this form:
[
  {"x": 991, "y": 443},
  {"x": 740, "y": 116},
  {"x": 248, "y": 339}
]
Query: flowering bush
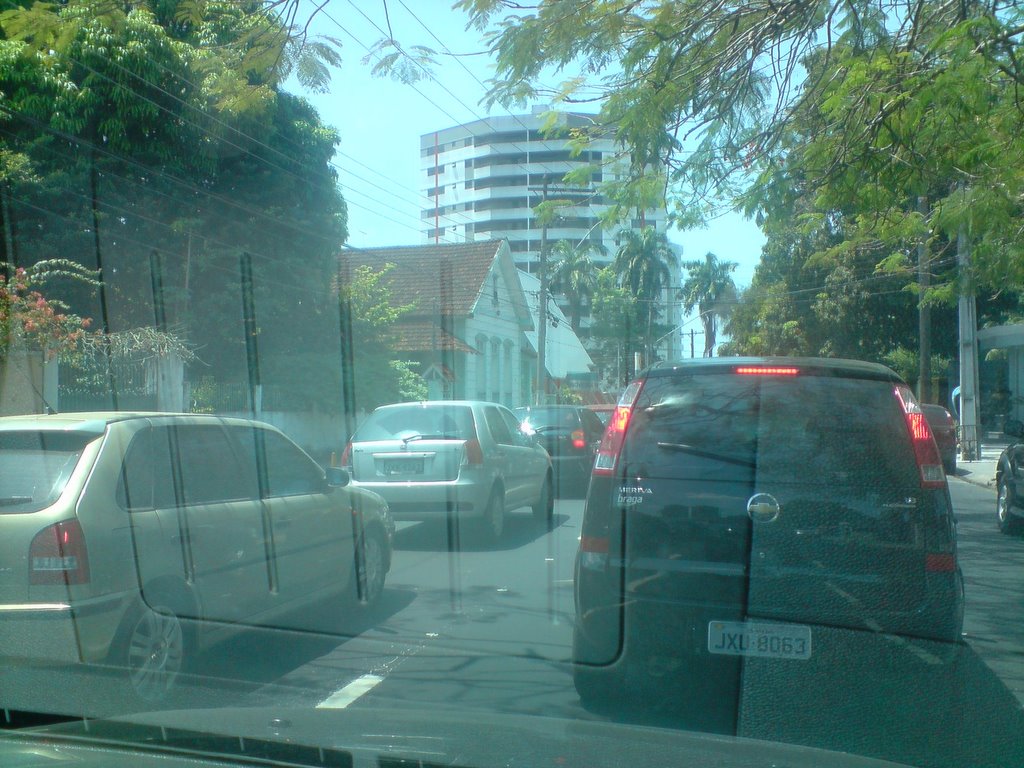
[{"x": 31, "y": 321}]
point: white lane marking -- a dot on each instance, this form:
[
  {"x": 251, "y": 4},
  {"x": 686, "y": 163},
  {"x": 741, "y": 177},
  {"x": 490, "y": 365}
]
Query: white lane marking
[{"x": 346, "y": 695}]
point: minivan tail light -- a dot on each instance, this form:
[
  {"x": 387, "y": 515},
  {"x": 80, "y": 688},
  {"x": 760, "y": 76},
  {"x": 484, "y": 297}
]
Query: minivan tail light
[
  {"x": 926, "y": 452},
  {"x": 58, "y": 555},
  {"x": 579, "y": 439},
  {"x": 615, "y": 433},
  {"x": 346, "y": 456},
  {"x": 940, "y": 562},
  {"x": 767, "y": 370},
  {"x": 593, "y": 552}
]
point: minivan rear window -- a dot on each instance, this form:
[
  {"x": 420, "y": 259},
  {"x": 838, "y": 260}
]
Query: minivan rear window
[
  {"x": 35, "y": 467},
  {"x": 829, "y": 429},
  {"x": 437, "y": 422}
]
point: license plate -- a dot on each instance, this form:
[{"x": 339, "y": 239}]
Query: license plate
[
  {"x": 748, "y": 638},
  {"x": 404, "y": 467}
]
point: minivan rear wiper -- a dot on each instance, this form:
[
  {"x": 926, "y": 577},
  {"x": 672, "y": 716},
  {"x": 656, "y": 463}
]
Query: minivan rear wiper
[{"x": 683, "y": 448}]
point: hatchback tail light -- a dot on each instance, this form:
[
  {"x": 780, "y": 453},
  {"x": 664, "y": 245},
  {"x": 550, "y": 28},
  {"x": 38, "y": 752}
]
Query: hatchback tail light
[
  {"x": 346, "y": 457},
  {"x": 615, "y": 433},
  {"x": 579, "y": 439},
  {"x": 926, "y": 452},
  {"x": 58, "y": 555},
  {"x": 473, "y": 452}
]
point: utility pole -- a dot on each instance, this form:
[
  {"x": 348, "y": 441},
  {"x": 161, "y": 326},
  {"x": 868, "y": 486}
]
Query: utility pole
[
  {"x": 691, "y": 342},
  {"x": 924, "y": 312},
  {"x": 542, "y": 328},
  {"x": 968, "y": 353}
]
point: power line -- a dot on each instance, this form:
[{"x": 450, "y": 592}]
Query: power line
[
  {"x": 244, "y": 150},
  {"x": 283, "y": 139}
]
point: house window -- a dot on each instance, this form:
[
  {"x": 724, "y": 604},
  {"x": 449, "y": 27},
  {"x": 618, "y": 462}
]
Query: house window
[
  {"x": 507, "y": 378},
  {"x": 495, "y": 370},
  {"x": 481, "y": 367}
]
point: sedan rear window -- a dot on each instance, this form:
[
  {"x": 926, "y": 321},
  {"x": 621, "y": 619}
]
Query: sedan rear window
[
  {"x": 35, "y": 467},
  {"x": 417, "y": 422}
]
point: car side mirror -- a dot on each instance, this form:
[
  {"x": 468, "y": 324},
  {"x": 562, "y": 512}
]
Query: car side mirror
[
  {"x": 1013, "y": 428},
  {"x": 337, "y": 477}
]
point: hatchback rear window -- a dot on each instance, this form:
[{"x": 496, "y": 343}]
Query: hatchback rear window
[
  {"x": 35, "y": 467},
  {"x": 418, "y": 422},
  {"x": 795, "y": 427}
]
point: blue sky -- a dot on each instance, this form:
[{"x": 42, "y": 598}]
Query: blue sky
[{"x": 380, "y": 122}]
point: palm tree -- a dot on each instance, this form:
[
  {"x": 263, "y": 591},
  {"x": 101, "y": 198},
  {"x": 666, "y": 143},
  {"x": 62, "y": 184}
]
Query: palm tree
[
  {"x": 710, "y": 288},
  {"x": 575, "y": 276},
  {"x": 642, "y": 266}
]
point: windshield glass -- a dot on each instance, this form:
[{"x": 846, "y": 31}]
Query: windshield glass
[{"x": 410, "y": 371}]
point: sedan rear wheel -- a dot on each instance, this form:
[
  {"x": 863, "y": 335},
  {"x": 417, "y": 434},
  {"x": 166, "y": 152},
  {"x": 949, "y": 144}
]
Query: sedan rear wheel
[
  {"x": 544, "y": 509},
  {"x": 1005, "y": 499}
]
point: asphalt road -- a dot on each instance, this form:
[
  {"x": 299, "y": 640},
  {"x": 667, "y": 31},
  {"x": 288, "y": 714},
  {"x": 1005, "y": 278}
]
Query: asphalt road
[{"x": 489, "y": 630}]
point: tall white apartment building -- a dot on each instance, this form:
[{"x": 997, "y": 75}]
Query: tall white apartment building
[{"x": 483, "y": 180}]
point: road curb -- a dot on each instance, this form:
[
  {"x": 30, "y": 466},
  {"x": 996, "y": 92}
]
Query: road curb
[{"x": 976, "y": 481}]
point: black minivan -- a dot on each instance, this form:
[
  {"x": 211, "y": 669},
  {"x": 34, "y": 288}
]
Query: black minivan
[{"x": 759, "y": 511}]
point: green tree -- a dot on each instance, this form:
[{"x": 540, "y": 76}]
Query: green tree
[
  {"x": 710, "y": 289},
  {"x": 575, "y": 275},
  {"x": 642, "y": 265},
  {"x": 155, "y": 142},
  {"x": 378, "y": 376},
  {"x": 614, "y": 329},
  {"x": 831, "y": 123}
]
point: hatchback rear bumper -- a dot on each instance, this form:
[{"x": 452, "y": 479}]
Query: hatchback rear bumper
[
  {"x": 420, "y": 501},
  {"x": 82, "y": 631}
]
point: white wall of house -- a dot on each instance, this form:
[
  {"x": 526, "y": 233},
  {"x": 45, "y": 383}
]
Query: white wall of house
[{"x": 494, "y": 330}]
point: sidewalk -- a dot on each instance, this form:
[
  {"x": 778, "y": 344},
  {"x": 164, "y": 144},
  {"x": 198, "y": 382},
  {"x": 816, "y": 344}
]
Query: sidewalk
[{"x": 983, "y": 471}]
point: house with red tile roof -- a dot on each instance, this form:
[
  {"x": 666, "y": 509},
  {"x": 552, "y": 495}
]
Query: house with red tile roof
[{"x": 467, "y": 329}]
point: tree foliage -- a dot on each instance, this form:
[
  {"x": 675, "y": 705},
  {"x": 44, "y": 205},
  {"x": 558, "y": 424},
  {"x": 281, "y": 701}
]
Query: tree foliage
[
  {"x": 575, "y": 275},
  {"x": 153, "y": 143},
  {"x": 709, "y": 288},
  {"x": 29, "y": 320},
  {"x": 862, "y": 136},
  {"x": 379, "y": 376}
]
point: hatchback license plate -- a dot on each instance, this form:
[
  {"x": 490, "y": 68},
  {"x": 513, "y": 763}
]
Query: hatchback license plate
[
  {"x": 404, "y": 467},
  {"x": 748, "y": 638}
]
